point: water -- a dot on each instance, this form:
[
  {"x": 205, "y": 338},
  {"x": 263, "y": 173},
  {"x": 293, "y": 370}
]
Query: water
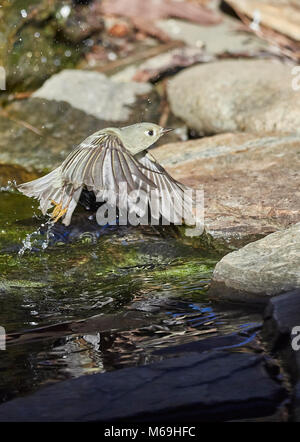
[{"x": 147, "y": 289}]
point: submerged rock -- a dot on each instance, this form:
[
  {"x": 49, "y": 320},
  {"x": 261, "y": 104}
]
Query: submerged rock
[
  {"x": 261, "y": 269},
  {"x": 217, "y": 386},
  {"x": 237, "y": 95},
  {"x": 237, "y": 173}
]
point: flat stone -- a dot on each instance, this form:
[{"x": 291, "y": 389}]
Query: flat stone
[
  {"x": 261, "y": 269},
  {"x": 238, "y": 172},
  {"x": 236, "y": 95},
  {"x": 93, "y": 93},
  {"x": 217, "y": 39},
  {"x": 218, "y": 386}
]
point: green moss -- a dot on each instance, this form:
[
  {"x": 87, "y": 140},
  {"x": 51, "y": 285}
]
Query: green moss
[{"x": 185, "y": 270}]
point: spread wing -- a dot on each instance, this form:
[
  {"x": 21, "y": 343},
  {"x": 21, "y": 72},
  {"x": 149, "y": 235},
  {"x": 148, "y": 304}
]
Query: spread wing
[
  {"x": 176, "y": 201},
  {"x": 100, "y": 163}
]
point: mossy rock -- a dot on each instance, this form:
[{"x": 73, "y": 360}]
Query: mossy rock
[{"x": 39, "y": 38}]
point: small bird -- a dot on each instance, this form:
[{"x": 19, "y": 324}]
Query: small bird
[{"x": 100, "y": 163}]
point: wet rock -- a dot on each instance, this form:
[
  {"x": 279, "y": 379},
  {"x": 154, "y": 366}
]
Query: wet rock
[
  {"x": 296, "y": 414},
  {"x": 236, "y": 95},
  {"x": 94, "y": 93},
  {"x": 37, "y": 133},
  {"x": 40, "y": 38},
  {"x": 281, "y": 316},
  {"x": 210, "y": 344},
  {"x": 238, "y": 172},
  {"x": 218, "y": 386},
  {"x": 18, "y": 173},
  {"x": 261, "y": 269}
]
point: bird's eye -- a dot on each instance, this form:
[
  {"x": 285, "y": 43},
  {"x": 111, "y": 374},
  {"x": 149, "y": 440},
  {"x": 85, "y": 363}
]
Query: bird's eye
[{"x": 150, "y": 132}]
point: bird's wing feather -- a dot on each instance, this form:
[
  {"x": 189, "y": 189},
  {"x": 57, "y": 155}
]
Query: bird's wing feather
[
  {"x": 101, "y": 163},
  {"x": 173, "y": 198}
]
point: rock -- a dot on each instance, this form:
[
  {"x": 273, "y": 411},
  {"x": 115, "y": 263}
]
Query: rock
[
  {"x": 163, "y": 64},
  {"x": 261, "y": 269},
  {"x": 282, "y": 16},
  {"x": 37, "y": 133},
  {"x": 237, "y": 172},
  {"x": 217, "y": 39},
  {"x": 94, "y": 93},
  {"x": 281, "y": 316},
  {"x": 42, "y": 38},
  {"x": 18, "y": 173},
  {"x": 218, "y": 386},
  {"x": 236, "y": 95},
  {"x": 211, "y": 344},
  {"x": 296, "y": 414}
]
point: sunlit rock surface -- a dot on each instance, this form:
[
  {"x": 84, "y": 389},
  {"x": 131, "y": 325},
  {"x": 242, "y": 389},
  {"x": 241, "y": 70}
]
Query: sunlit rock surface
[
  {"x": 251, "y": 183},
  {"x": 261, "y": 269},
  {"x": 237, "y": 95},
  {"x": 94, "y": 93}
]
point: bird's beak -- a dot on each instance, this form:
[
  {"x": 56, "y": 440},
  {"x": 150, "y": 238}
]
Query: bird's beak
[{"x": 166, "y": 130}]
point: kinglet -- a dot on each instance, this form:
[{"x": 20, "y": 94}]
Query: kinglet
[{"x": 100, "y": 163}]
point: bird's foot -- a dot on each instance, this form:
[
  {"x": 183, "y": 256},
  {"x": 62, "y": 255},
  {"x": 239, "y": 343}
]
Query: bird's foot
[{"x": 58, "y": 211}]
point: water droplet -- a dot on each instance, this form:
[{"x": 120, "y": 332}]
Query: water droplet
[{"x": 65, "y": 11}]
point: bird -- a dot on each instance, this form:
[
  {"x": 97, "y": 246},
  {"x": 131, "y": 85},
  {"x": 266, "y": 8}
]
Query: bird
[{"x": 100, "y": 163}]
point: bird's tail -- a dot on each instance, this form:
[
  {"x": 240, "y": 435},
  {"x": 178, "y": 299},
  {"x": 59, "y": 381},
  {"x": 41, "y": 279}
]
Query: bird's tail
[{"x": 50, "y": 190}]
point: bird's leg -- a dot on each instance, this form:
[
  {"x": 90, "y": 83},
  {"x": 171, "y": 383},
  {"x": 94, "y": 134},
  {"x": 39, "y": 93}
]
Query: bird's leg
[{"x": 59, "y": 210}]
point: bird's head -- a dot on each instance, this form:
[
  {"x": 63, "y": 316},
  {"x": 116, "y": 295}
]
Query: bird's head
[{"x": 140, "y": 136}]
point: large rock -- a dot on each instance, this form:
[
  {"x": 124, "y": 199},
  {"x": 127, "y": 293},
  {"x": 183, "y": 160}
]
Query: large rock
[
  {"x": 261, "y": 269},
  {"x": 251, "y": 183},
  {"x": 281, "y": 331},
  {"x": 218, "y": 386},
  {"x": 94, "y": 93},
  {"x": 39, "y": 132},
  {"x": 237, "y": 95}
]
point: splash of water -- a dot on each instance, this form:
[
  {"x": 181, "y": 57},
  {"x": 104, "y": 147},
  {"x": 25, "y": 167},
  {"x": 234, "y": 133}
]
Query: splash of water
[
  {"x": 11, "y": 187},
  {"x": 38, "y": 240}
]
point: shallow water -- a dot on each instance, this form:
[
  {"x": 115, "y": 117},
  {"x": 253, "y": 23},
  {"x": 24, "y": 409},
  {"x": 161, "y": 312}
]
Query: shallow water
[{"x": 86, "y": 270}]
